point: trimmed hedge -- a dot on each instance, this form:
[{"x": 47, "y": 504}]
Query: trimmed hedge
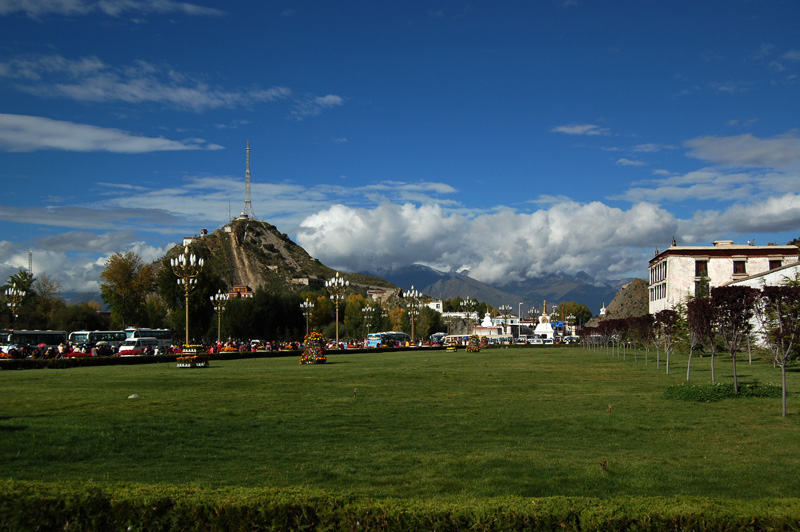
[
  {"x": 708, "y": 393},
  {"x": 90, "y": 507},
  {"x": 76, "y": 362}
]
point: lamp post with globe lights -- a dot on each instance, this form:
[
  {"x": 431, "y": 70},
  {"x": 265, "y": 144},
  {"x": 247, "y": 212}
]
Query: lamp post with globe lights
[
  {"x": 367, "y": 312},
  {"x": 468, "y": 307},
  {"x": 14, "y": 296},
  {"x": 337, "y": 286},
  {"x": 187, "y": 267},
  {"x": 505, "y": 311},
  {"x": 219, "y": 300},
  {"x": 307, "y": 307},
  {"x": 412, "y": 296}
]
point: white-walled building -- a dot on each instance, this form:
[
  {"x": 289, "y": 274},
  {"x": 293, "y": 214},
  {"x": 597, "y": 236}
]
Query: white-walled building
[
  {"x": 777, "y": 277},
  {"x": 681, "y": 272}
]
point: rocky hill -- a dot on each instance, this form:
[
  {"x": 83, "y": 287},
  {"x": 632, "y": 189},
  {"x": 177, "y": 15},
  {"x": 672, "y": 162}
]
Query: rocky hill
[
  {"x": 254, "y": 253},
  {"x": 632, "y": 300}
]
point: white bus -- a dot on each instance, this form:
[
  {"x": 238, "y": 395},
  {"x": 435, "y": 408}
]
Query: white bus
[
  {"x": 43, "y": 339},
  {"x": 388, "y": 339},
  {"x": 90, "y": 338},
  {"x": 164, "y": 336}
]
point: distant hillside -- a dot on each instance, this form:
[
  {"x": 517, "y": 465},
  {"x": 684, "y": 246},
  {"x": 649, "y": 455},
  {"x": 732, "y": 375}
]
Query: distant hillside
[{"x": 254, "y": 253}]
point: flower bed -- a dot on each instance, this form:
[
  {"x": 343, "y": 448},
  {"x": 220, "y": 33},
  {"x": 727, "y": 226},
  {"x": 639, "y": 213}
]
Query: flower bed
[
  {"x": 473, "y": 344},
  {"x": 314, "y": 352},
  {"x": 193, "y": 357}
]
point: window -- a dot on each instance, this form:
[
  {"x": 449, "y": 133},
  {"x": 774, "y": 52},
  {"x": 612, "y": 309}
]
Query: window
[
  {"x": 739, "y": 267},
  {"x": 774, "y": 264},
  {"x": 701, "y": 288},
  {"x": 701, "y": 268}
]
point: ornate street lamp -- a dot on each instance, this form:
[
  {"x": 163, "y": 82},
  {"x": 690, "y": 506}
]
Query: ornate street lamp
[
  {"x": 219, "y": 300},
  {"x": 367, "y": 312},
  {"x": 187, "y": 267},
  {"x": 14, "y": 296},
  {"x": 468, "y": 306},
  {"x": 412, "y": 296},
  {"x": 337, "y": 287},
  {"x": 307, "y": 307},
  {"x": 505, "y": 311}
]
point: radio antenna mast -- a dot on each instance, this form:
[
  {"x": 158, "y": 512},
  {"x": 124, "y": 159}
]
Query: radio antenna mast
[{"x": 247, "y": 212}]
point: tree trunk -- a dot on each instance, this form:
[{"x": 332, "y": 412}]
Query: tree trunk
[
  {"x": 713, "y": 379},
  {"x": 689, "y": 364},
  {"x": 735, "y": 379},
  {"x": 658, "y": 357},
  {"x": 667, "y": 350},
  {"x": 783, "y": 392}
]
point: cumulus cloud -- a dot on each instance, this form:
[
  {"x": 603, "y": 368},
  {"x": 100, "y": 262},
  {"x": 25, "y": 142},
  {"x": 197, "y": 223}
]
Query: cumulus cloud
[
  {"x": 498, "y": 247},
  {"x": 22, "y": 133},
  {"x": 114, "y": 8},
  {"x": 505, "y": 246}
]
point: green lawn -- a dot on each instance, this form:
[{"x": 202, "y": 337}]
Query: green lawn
[{"x": 527, "y": 422}]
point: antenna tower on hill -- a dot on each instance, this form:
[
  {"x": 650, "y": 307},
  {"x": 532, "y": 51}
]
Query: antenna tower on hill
[{"x": 247, "y": 212}]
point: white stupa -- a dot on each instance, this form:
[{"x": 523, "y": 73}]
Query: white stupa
[{"x": 544, "y": 330}]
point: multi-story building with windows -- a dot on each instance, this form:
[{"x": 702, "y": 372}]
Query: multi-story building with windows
[{"x": 683, "y": 272}]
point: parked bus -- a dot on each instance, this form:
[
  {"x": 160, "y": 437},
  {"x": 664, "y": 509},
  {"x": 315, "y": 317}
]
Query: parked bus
[
  {"x": 164, "y": 336},
  {"x": 455, "y": 339},
  {"x": 18, "y": 338},
  {"x": 387, "y": 339},
  {"x": 90, "y": 338}
]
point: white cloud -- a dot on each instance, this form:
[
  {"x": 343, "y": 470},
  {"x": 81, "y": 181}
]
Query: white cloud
[
  {"x": 89, "y": 79},
  {"x": 506, "y": 245},
  {"x": 498, "y": 247},
  {"x": 581, "y": 129},
  {"x": 21, "y": 133},
  {"x": 114, "y": 8},
  {"x": 628, "y": 162},
  {"x": 779, "y": 152},
  {"x": 314, "y": 105}
]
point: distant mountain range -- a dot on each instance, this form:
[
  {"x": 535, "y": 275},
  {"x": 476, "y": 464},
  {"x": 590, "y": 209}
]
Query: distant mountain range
[
  {"x": 581, "y": 287},
  {"x": 256, "y": 254}
]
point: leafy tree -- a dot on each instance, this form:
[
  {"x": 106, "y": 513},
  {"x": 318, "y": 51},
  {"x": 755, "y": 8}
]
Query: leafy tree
[
  {"x": 734, "y": 307},
  {"x": 641, "y": 328},
  {"x": 778, "y": 310},
  {"x": 81, "y": 317},
  {"x": 353, "y": 316},
  {"x": 47, "y": 299},
  {"x": 579, "y": 310},
  {"x": 322, "y": 314},
  {"x": 701, "y": 313},
  {"x": 126, "y": 283},
  {"x": 667, "y": 324}
]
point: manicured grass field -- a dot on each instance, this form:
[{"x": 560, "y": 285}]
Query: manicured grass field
[{"x": 528, "y": 422}]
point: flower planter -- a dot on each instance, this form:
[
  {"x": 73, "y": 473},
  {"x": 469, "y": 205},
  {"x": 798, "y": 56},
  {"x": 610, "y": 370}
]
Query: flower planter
[
  {"x": 314, "y": 352},
  {"x": 190, "y": 360}
]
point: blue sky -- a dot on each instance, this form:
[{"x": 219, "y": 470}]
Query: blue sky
[{"x": 512, "y": 138}]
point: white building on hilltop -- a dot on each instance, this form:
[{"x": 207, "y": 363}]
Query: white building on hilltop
[{"x": 682, "y": 272}]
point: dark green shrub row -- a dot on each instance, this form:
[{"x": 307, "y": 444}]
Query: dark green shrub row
[
  {"x": 75, "y": 362},
  {"x": 711, "y": 392},
  {"x": 70, "y": 507}
]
